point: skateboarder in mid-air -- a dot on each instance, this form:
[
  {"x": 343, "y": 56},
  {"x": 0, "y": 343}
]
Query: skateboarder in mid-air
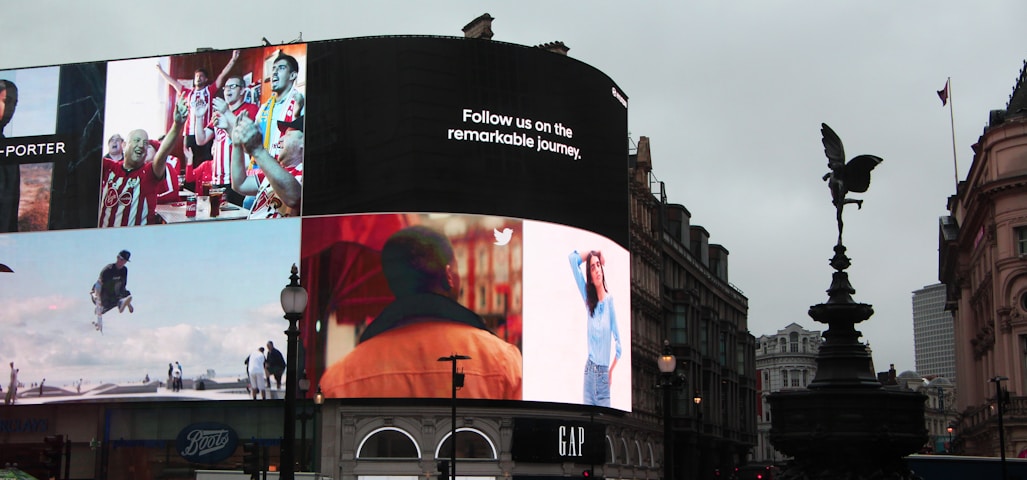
[{"x": 110, "y": 290}]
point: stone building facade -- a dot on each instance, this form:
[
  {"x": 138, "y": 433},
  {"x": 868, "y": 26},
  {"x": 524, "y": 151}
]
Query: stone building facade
[
  {"x": 983, "y": 263},
  {"x": 705, "y": 321},
  {"x": 785, "y": 360}
]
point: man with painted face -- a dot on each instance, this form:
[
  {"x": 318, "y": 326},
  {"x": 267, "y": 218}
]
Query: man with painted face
[
  {"x": 285, "y": 105},
  {"x": 201, "y": 94},
  {"x": 10, "y": 173},
  {"x": 129, "y": 189}
]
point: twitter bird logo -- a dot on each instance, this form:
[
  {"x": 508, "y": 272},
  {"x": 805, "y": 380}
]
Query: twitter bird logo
[{"x": 502, "y": 238}]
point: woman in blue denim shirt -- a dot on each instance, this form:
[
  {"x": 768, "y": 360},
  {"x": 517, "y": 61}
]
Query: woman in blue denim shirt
[{"x": 602, "y": 326}]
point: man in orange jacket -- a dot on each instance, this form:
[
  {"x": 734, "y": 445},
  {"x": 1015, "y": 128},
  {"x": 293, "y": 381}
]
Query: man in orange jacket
[{"x": 398, "y": 353}]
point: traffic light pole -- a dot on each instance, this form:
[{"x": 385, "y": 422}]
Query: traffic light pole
[
  {"x": 251, "y": 463},
  {"x": 452, "y": 435},
  {"x": 458, "y": 381},
  {"x": 53, "y": 451},
  {"x": 67, "y": 458}
]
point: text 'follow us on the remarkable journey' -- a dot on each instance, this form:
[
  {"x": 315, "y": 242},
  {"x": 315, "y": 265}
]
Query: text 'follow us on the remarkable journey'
[{"x": 541, "y": 136}]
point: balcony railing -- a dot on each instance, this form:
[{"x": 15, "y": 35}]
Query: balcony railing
[{"x": 981, "y": 415}]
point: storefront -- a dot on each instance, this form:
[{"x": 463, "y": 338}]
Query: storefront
[
  {"x": 364, "y": 442},
  {"x": 176, "y": 440}
]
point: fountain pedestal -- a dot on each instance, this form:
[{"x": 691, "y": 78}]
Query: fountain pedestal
[{"x": 846, "y": 425}]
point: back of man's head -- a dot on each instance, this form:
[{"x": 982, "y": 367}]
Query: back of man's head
[{"x": 414, "y": 260}]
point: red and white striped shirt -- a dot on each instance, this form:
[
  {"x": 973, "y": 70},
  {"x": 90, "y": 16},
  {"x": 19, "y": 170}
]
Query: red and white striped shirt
[
  {"x": 128, "y": 197},
  {"x": 204, "y": 95},
  {"x": 168, "y": 190},
  {"x": 221, "y": 150},
  {"x": 267, "y": 203}
]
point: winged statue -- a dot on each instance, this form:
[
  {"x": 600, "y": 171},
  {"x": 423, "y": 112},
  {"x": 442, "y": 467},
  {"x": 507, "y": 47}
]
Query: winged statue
[{"x": 845, "y": 177}]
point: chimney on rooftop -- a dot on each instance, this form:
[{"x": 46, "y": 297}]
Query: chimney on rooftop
[
  {"x": 480, "y": 27},
  {"x": 555, "y": 47}
]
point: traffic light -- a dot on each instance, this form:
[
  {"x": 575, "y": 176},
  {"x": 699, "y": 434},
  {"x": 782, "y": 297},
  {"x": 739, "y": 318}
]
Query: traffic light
[
  {"x": 251, "y": 459},
  {"x": 443, "y": 469},
  {"x": 586, "y": 474},
  {"x": 53, "y": 448}
]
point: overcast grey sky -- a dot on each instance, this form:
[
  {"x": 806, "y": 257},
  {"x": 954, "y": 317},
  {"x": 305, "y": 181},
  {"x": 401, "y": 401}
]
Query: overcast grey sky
[{"x": 731, "y": 94}]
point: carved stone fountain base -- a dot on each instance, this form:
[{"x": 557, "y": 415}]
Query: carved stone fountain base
[
  {"x": 847, "y": 433},
  {"x": 846, "y": 425}
]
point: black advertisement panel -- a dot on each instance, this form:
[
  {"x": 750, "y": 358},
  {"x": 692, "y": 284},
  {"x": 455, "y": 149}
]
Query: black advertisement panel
[{"x": 462, "y": 126}]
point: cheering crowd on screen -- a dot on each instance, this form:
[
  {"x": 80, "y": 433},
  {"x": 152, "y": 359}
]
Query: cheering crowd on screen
[{"x": 254, "y": 152}]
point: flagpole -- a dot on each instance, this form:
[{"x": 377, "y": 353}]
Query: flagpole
[{"x": 952, "y": 124}]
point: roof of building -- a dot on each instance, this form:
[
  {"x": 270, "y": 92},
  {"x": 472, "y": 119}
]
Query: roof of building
[
  {"x": 1018, "y": 99},
  {"x": 910, "y": 375}
]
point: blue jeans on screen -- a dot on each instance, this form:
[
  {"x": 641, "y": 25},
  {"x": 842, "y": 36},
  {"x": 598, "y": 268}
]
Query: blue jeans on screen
[{"x": 597, "y": 384}]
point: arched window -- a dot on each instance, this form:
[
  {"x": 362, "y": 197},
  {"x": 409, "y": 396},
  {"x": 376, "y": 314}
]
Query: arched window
[
  {"x": 652, "y": 458},
  {"x": 625, "y": 451},
  {"x": 638, "y": 454},
  {"x": 388, "y": 442},
  {"x": 610, "y": 454},
  {"x": 793, "y": 340},
  {"x": 470, "y": 444}
]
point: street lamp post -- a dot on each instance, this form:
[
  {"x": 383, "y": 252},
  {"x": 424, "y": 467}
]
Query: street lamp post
[
  {"x": 458, "y": 381},
  {"x": 999, "y": 400},
  {"x": 294, "y": 301},
  {"x": 667, "y": 363},
  {"x": 319, "y": 400},
  {"x": 697, "y": 399},
  {"x": 303, "y": 417}
]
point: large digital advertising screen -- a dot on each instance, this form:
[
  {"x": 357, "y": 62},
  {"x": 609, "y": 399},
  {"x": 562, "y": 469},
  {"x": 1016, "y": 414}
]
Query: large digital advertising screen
[
  {"x": 50, "y": 128},
  {"x": 168, "y": 123},
  {"x": 203, "y": 297},
  {"x": 440, "y": 197},
  {"x": 466, "y": 126},
  {"x": 532, "y": 304}
]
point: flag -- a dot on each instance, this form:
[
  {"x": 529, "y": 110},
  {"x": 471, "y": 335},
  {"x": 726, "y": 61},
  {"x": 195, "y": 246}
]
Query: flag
[{"x": 943, "y": 94}]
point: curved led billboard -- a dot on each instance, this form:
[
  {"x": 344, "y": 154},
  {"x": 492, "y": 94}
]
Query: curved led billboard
[
  {"x": 470, "y": 192},
  {"x": 466, "y": 126},
  {"x": 540, "y": 310}
]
